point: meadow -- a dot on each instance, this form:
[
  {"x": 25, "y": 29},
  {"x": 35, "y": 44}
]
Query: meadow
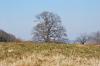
[{"x": 48, "y": 54}]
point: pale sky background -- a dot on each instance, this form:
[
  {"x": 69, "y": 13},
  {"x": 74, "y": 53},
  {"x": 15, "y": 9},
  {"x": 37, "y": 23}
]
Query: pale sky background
[{"x": 78, "y": 16}]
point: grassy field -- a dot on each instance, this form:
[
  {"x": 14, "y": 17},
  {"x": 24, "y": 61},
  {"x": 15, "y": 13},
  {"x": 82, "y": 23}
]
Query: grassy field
[{"x": 31, "y": 54}]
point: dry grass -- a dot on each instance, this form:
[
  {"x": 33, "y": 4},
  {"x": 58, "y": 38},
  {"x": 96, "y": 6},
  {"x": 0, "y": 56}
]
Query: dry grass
[{"x": 28, "y": 54}]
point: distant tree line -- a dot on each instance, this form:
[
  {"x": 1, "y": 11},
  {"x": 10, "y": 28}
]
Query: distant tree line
[{"x": 50, "y": 29}]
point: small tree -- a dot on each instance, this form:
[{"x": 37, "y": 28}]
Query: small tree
[
  {"x": 49, "y": 28},
  {"x": 82, "y": 39}
]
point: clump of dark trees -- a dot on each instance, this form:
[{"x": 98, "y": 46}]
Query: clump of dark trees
[{"x": 6, "y": 37}]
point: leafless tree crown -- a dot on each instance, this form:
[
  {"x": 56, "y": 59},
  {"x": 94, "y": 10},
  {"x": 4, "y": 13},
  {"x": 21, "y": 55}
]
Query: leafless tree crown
[
  {"x": 49, "y": 28},
  {"x": 83, "y": 38}
]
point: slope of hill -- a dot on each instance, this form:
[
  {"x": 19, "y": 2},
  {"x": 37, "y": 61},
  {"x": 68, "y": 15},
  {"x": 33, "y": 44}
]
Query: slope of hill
[{"x": 31, "y": 54}]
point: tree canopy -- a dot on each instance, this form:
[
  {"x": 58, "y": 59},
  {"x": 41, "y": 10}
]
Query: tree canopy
[{"x": 49, "y": 28}]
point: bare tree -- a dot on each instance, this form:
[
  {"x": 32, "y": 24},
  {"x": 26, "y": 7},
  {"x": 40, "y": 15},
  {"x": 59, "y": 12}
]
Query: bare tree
[
  {"x": 49, "y": 28},
  {"x": 95, "y": 37},
  {"x": 82, "y": 39}
]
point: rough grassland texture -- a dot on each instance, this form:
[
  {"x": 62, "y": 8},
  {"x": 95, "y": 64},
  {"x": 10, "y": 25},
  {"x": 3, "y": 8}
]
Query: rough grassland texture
[{"x": 31, "y": 54}]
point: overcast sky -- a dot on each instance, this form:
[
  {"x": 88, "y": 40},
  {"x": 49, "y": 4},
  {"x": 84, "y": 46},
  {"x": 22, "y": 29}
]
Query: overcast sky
[{"x": 78, "y": 16}]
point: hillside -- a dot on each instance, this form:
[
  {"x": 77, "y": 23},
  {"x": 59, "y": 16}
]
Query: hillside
[{"x": 34, "y": 54}]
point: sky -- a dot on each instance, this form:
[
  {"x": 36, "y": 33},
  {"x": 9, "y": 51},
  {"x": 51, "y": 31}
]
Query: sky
[{"x": 78, "y": 16}]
